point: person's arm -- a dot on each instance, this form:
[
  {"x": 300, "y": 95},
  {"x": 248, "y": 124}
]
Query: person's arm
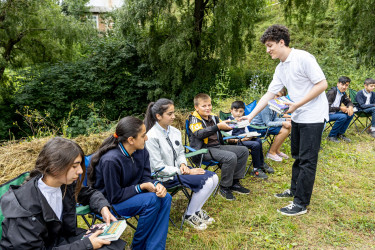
[
  {"x": 316, "y": 90},
  {"x": 268, "y": 120},
  {"x": 112, "y": 175},
  {"x": 156, "y": 160},
  {"x": 263, "y": 102},
  {"x": 361, "y": 100},
  {"x": 93, "y": 198},
  {"x": 200, "y": 132},
  {"x": 196, "y": 127},
  {"x": 25, "y": 233}
]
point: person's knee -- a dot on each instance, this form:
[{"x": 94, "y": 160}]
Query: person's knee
[
  {"x": 167, "y": 198},
  {"x": 341, "y": 118},
  {"x": 231, "y": 158},
  {"x": 152, "y": 200}
]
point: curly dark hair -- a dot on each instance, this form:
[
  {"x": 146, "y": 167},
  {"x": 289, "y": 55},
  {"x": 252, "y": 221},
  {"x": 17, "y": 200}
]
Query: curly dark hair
[{"x": 275, "y": 33}]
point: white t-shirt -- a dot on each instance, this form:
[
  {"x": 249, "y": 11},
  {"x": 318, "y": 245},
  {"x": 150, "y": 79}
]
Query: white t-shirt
[
  {"x": 53, "y": 196},
  {"x": 299, "y": 73}
]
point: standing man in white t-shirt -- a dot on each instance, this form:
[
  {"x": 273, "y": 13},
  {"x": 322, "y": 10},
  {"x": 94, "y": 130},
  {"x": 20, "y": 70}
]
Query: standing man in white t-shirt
[{"x": 299, "y": 72}]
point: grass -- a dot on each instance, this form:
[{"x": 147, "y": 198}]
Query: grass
[{"x": 341, "y": 213}]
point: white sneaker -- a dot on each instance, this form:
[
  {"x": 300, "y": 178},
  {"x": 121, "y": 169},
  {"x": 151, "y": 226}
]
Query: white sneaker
[
  {"x": 205, "y": 217},
  {"x": 274, "y": 157},
  {"x": 196, "y": 222}
]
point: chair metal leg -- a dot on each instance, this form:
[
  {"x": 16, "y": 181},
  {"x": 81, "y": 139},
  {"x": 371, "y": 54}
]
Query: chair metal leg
[
  {"x": 248, "y": 167},
  {"x": 189, "y": 196}
]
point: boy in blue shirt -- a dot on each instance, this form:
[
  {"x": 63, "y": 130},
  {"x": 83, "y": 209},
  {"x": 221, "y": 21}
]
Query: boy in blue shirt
[
  {"x": 366, "y": 101},
  {"x": 254, "y": 144}
]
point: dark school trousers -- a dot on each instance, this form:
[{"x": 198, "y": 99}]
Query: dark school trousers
[
  {"x": 305, "y": 145},
  {"x": 233, "y": 159},
  {"x": 256, "y": 151}
]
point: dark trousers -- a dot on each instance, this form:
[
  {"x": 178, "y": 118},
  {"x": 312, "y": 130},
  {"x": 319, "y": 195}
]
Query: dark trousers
[
  {"x": 372, "y": 112},
  {"x": 342, "y": 122},
  {"x": 305, "y": 145},
  {"x": 256, "y": 151},
  {"x": 234, "y": 160}
]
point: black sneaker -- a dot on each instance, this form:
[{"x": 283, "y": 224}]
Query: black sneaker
[
  {"x": 333, "y": 138},
  {"x": 372, "y": 134},
  {"x": 238, "y": 188},
  {"x": 268, "y": 169},
  {"x": 292, "y": 210},
  {"x": 258, "y": 173},
  {"x": 286, "y": 194},
  {"x": 344, "y": 138},
  {"x": 227, "y": 193}
]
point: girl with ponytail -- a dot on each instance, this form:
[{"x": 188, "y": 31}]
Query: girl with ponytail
[
  {"x": 168, "y": 158},
  {"x": 121, "y": 171},
  {"x": 40, "y": 214}
]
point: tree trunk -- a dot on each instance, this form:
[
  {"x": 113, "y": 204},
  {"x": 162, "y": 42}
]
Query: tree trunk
[{"x": 199, "y": 8}]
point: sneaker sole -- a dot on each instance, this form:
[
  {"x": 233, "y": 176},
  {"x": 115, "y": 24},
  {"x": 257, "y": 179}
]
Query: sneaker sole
[
  {"x": 200, "y": 228},
  {"x": 234, "y": 198},
  {"x": 299, "y": 213},
  {"x": 274, "y": 159},
  {"x": 283, "y": 197},
  {"x": 240, "y": 192}
]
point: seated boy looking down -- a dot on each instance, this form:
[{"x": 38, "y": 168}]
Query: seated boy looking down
[
  {"x": 366, "y": 101},
  {"x": 253, "y": 143},
  {"x": 341, "y": 114},
  {"x": 205, "y": 133}
]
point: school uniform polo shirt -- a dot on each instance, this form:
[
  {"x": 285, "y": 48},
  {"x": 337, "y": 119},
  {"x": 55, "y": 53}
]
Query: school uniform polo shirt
[{"x": 299, "y": 73}]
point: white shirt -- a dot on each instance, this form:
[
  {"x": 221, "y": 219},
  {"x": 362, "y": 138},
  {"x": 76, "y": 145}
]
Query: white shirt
[
  {"x": 368, "y": 96},
  {"x": 299, "y": 73},
  {"x": 53, "y": 196},
  {"x": 337, "y": 101}
]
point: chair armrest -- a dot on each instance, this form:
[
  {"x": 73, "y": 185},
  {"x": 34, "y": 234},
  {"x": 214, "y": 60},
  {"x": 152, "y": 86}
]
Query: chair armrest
[
  {"x": 190, "y": 148},
  {"x": 258, "y": 127},
  {"x": 197, "y": 152}
]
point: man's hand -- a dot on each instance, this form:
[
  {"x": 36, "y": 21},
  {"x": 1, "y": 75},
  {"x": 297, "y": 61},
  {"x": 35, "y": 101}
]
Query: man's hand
[
  {"x": 344, "y": 109},
  {"x": 97, "y": 242},
  {"x": 107, "y": 216},
  {"x": 196, "y": 171},
  {"x": 350, "y": 111},
  {"x": 160, "y": 190},
  {"x": 223, "y": 125},
  {"x": 292, "y": 107},
  {"x": 148, "y": 186}
]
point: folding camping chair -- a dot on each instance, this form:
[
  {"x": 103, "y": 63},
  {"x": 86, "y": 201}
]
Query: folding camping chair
[
  {"x": 85, "y": 210},
  {"x": 359, "y": 114},
  {"x": 173, "y": 191},
  {"x": 208, "y": 163},
  {"x": 5, "y": 187}
]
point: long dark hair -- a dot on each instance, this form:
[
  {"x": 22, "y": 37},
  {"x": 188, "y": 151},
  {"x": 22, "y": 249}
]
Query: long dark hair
[
  {"x": 56, "y": 158},
  {"x": 127, "y": 127},
  {"x": 158, "y": 107}
]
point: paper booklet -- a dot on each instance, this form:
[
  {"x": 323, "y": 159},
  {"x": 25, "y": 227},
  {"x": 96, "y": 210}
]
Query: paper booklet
[
  {"x": 238, "y": 124},
  {"x": 278, "y": 104},
  {"x": 111, "y": 232},
  {"x": 250, "y": 134}
]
